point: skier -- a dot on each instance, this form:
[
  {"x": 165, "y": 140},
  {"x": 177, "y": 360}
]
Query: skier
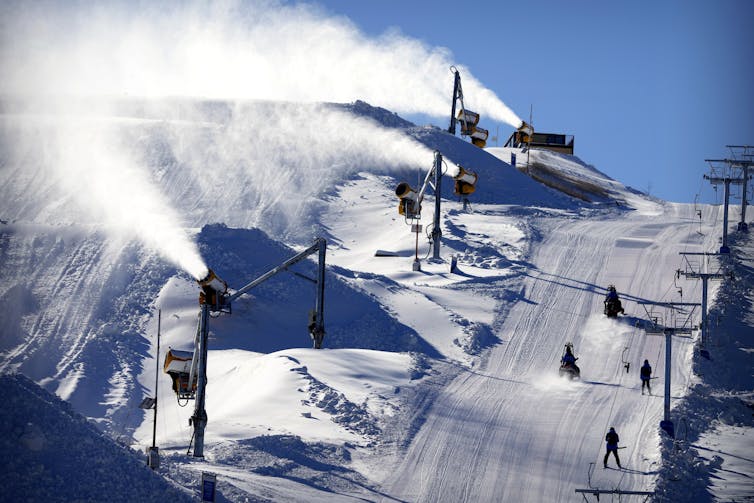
[
  {"x": 646, "y": 375},
  {"x": 612, "y": 446}
]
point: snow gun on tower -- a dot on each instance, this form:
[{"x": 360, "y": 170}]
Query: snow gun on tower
[
  {"x": 468, "y": 120},
  {"x": 410, "y": 202},
  {"x": 188, "y": 369}
]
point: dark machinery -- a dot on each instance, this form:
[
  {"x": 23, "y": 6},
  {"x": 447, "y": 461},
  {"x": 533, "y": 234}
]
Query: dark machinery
[
  {"x": 612, "y": 303},
  {"x": 568, "y": 365}
]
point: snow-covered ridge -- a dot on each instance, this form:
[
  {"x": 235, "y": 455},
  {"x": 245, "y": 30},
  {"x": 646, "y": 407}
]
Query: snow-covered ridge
[{"x": 55, "y": 454}]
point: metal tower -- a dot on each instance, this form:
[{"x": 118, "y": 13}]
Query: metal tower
[
  {"x": 721, "y": 171},
  {"x": 678, "y": 326}
]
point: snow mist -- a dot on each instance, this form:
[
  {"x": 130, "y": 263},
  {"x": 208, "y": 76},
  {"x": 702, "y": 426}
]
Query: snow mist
[
  {"x": 82, "y": 172},
  {"x": 260, "y": 49},
  {"x": 271, "y": 165}
]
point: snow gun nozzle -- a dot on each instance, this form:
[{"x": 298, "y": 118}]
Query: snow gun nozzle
[
  {"x": 214, "y": 290},
  {"x": 526, "y": 128},
  {"x": 465, "y": 181}
]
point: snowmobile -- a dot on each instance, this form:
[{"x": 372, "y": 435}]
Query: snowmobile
[
  {"x": 612, "y": 303},
  {"x": 568, "y": 365}
]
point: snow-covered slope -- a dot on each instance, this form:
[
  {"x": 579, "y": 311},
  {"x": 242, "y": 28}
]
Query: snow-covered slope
[
  {"x": 51, "y": 453},
  {"x": 433, "y": 384}
]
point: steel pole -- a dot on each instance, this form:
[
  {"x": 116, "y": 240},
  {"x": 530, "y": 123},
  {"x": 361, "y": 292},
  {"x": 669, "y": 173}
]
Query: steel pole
[
  {"x": 705, "y": 278},
  {"x": 199, "y": 419},
  {"x": 666, "y": 424},
  {"x": 320, "y": 301},
  {"x": 456, "y": 81},
  {"x": 742, "y": 224},
  {"x": 156, "y": 380},
  {"x": 436, "y": 231},
  {"x": 668, "y": 351},
  {"x": 724, "y": 248}
]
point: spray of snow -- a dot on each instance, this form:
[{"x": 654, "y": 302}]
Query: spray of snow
[
  {"x": 66, "y": 168},
  {"x": 261, "y": 49},
  {"x": 279, "y": 159},
  {"x": 230, "y": 51},
  {"x": 108, "y": 182}
]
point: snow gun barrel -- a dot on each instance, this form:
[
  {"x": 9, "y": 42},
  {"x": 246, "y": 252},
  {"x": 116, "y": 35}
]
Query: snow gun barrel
[
  {"x": 214, "y": 290},
  {"x": 526, "y": 131},
  {"x": 465, "y": 182},
  {"x": 526, "y": 128},
  {"x": 410, "y": 203}
]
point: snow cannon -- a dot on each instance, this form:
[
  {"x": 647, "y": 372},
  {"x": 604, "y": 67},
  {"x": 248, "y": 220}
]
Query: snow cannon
[
  {"x": 465, "y": 182},
  {"x": 409, "y": 205},
  {"x": 479, "y": 137},
  {"x": 525, "y": 132},
  {"x": 214, "y": 291},
  {"x": 468, "y": 120},
  {"x": 178, "y": 367}
]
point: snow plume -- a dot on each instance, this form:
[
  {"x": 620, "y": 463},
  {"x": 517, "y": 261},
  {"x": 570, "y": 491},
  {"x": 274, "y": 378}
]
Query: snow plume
[
  {"x": 260, "y": 49},
  {"x": 272, "y": 163},
  {"x": 85, "y": 174}
]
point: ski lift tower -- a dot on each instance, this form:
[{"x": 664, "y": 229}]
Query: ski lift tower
[
  {"x": 743, "y": 157},
  {"x": 215, "y": 298},
  {"x": 680, "y": 325},
  {"x": 720, "y": 172},
  {"x": 701, "y": 270}
]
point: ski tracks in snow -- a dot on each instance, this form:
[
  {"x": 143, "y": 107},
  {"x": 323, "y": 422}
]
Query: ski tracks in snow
[{"x": 514, "y": 431}]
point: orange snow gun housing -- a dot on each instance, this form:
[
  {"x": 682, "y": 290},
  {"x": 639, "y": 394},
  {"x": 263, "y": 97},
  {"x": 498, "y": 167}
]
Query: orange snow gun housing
[
  {"x": 525, "y": 133},
  {"x": 479, "y": 137},
  {"x": 213, "y": 291},
  {"x": 525, "y": 137},
  {"x": 469, "y": 127},
  {"x": 465, "y": 182},
  {"x": 178, "y": 367},
  {"x": 408, "y": 205},
  {"x": 468, "y": 120}
]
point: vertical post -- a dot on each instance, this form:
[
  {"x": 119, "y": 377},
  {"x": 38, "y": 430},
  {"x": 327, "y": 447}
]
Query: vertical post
[
  {"x": 199, "y": 419},
  {"x": 705, "y": 278},
  {"x": 156, "y": 380},
  {"x": 319, "y": 330},
  {"x": 742, "y": 226},
  {"x": 417, "y": 265},
  {"x": 666, "y": 424},
  {"x": 153, "y": 453},
  {"x": 456, "y": 81},
  {"x": 436, "y": 231},
  {"x": 724, "y": 248}
]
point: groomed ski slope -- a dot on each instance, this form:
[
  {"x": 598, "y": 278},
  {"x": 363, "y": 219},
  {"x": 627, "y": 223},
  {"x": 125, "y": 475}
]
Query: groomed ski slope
[{"x": 511, "y": 429}]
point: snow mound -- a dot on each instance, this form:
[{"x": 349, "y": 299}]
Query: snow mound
[{"x": 58, "y": 456}]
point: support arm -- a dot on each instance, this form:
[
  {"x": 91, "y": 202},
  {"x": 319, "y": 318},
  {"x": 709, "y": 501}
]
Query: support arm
[{"x": 319, "y": 243}]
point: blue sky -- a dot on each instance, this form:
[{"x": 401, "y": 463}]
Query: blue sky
[{"x": 649, "y": 88}]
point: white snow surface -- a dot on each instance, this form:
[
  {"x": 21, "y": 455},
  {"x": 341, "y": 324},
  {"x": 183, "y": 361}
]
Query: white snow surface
[{"x": 433, "y": 385}]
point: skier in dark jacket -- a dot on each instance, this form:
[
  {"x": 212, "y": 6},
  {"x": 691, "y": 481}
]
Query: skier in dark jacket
[
  {"x": 646, "y": 375},
  {"x": 612, "y": 446}
]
